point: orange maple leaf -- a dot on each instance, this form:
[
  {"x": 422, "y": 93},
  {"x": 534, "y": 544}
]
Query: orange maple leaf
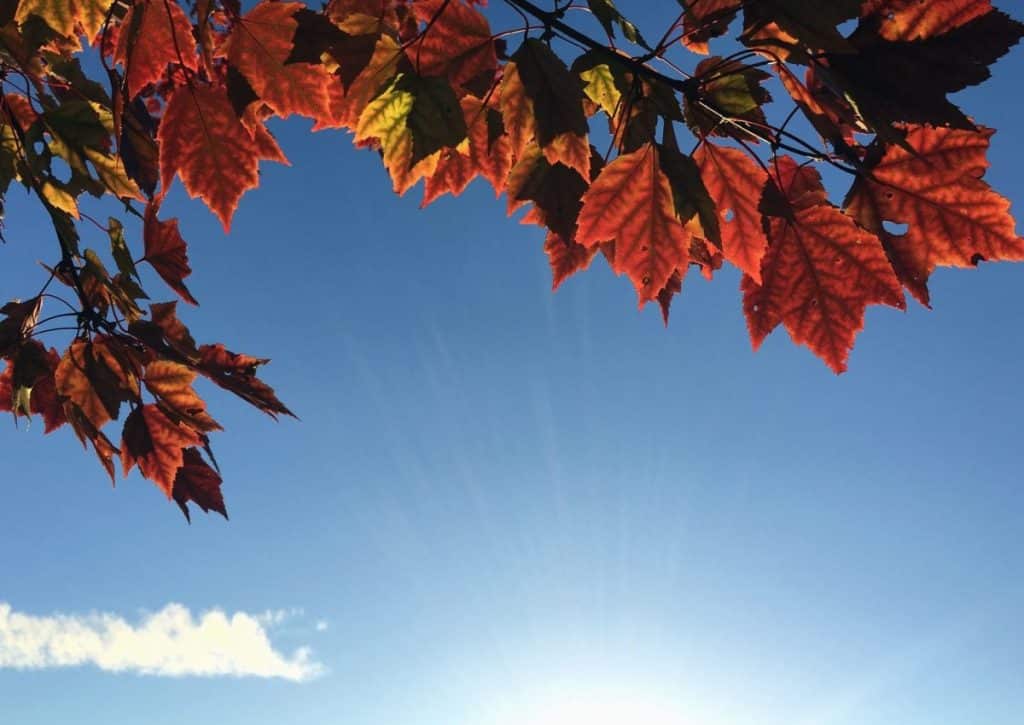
[
  {"x": 258, "y": 47},
  {"x": 156, "y": 444},
  {"x": 630, "y": 203},
  {"x": 204, "y": 143},
  {"x": 167, "y": 252},
  {"x": 199, "y": 483},
  {"x": 735, "y": 181},
  {"x": 915, "y": 20},
  {"x": 456, "y": 42},
  {"x": 164, "y": 37},
  {"x": 820, "y": 273},
  {"x": 954, "y": 218}
]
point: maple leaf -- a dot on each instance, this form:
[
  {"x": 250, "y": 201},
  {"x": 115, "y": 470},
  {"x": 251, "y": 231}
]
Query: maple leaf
[
  {"x": 481, "y": 155},
  {"x": 27, "y": 385},
  {"x": 386, "y": 120},
  {"x": 554, "y": 189},
  {"x": 630, "y": 203},
  {"x": 728, "y": 99},
  {"x": 900, "y": 81},
  {"x": 95, "y": 380},
  {"x": 171, "y": 383},
  {"x": 602, "y": 88},
  {"x": 204, "y": 143},
  {"x": 66, "y": 16},
  {"x": 832, "y": 117},
  {"x": 167, "y": 252},
  {"x": 706, "y": 19},
  {"x": 566, "y": 258},
  {"x": 456, "y": 42},
  {"x": 812, "y": 23},
  {"x": 19, "y": 319},
  {"x": 160, "y": 35},
  {"x": 156, "y": 444},
  {"x": 198, "y": 482},
  {"x": 541, "y": 94},
  {"x": 820, "y": 272},
  {"x": 672, "y": 287},
  {"x": 609, "y": 16},
  {"x": 431, "y": 87},
  {"x": 435, "y": 120},
  {"x": 316, "y": 36},
  {"x": 954, "y": 218},
  {"x": 259, "y": 47},
  {"x": 87, "y": 433},
  {"x": 166, "y": 332},
  {"x": 914, "y": 20},
  {"x": 348, "y": 103},
  {"x": 689, "y": 194},
  {"x": 237, "y": 373},
  {"x": 735, "y": 183}
]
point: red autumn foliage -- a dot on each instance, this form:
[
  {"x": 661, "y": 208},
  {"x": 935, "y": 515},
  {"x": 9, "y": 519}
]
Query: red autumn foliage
[{"x": 189, "y": 87}]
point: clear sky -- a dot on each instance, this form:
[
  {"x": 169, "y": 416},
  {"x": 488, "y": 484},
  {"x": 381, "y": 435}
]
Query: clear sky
[{"x": 502, "y": 505}]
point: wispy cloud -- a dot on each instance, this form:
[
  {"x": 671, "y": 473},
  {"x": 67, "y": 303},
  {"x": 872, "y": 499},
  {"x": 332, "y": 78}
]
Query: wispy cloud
[{"x": 169, "y": 643}]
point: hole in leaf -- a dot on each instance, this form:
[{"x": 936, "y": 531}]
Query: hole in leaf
[
  {"x": 847, "y": 27},
  {"x": 895, "y": 228},
  {"x": 729, "y": 215}
]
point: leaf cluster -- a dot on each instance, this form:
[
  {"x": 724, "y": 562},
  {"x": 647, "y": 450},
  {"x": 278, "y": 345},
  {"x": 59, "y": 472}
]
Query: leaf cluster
[{"x": 188, "y": 88}]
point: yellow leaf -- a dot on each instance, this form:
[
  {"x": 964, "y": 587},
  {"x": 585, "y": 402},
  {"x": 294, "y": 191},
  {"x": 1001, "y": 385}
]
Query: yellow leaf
[
  {"x": 600, "y": 88},
  {"x": 59, "y": 198}
]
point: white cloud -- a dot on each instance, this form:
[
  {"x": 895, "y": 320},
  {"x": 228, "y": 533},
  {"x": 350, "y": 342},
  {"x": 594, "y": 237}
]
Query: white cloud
[
  {"x": 321, "y": 626},
  {"x": 168, "y": 643}
]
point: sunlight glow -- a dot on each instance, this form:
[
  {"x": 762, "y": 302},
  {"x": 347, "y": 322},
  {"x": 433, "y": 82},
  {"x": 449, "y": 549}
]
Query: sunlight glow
[{"x": 599, "y": 706}]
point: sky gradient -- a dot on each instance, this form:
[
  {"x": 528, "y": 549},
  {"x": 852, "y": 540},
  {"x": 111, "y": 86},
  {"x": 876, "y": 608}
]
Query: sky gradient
[{"x": 499, "y": 501}]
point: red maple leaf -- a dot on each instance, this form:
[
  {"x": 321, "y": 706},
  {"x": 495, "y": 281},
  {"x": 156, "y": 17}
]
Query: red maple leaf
[
  {"x": 820, "y": 273},
  {"x": 258, "y": 47},
  {"x": 167, "y": 252},
  {"x": 198, "y": 482},
  {"x": 163, "y": 37},
  {"x": 735, "y": 181},
  {"x": 566, "y": 258},
  {"x": 954, "y": 218},
  {"x": 631, "y": 204},
  {"x": 204, "y": 143},
  {"x": 156, "y": 444},
  {"x": 915, "y": 20},
  {"x": 456, "y": 42}
]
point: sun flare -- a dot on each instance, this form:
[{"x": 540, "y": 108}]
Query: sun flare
[{"x": 599, "y": 706}]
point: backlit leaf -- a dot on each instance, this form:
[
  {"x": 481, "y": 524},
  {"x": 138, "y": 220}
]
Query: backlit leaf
[
  {"x": 735, "y": 182},
  {"x": 167, "y": 252},
  {"x": 954, "y": 218},
  {"x": 204, "y": 143},
  {"x": 197, "y": 482},
  {"x": 260, "y": 46},
  {"x": 820, "y": 272},
  {"x": 162, "y": 36},
  {"x": 156, "y": 444},
  {"x": 631, "y": 204}
]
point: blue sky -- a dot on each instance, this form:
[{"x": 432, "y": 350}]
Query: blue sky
[{"x": 502, "y": 504}]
